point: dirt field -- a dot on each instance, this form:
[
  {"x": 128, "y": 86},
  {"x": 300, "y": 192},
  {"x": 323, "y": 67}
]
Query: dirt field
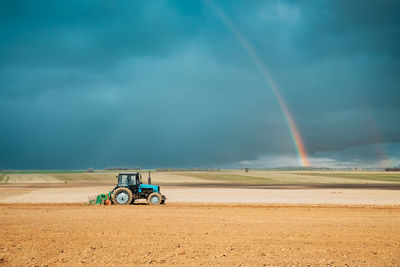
[
  {"x": 199, "y": 234},
  {"x": 291, "y": 218}
]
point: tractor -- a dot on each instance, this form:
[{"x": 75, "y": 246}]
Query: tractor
[{"x": 131, "y": 188}]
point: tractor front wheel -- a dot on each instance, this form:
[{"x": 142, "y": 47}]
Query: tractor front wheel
[
  {"x": 122, "y": 196},
  {"x": 154, "y": 199}
]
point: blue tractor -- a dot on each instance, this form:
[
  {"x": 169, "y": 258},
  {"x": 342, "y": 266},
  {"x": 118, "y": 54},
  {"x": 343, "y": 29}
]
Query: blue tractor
[{"x": 130, "y": 188}]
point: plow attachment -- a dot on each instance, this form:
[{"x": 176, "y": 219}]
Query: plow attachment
[{"x": 102, "y": 199}]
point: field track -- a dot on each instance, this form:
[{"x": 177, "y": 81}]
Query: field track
[{"x": 353, "y": 194}]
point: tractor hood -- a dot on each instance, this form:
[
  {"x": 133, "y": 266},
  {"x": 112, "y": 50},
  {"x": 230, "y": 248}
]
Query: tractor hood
[{"x": 156, "y": 188}]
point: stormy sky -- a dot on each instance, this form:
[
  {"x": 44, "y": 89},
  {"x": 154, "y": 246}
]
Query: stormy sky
[{"x": 167, "y": 83}]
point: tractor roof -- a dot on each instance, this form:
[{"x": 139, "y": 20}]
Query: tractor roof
[{"x": 128, "y": 173}]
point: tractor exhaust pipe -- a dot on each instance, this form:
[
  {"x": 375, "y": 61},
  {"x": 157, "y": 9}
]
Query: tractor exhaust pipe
[{"x": 149, "y": 179}]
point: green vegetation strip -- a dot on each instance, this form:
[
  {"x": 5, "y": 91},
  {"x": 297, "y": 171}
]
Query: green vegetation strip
[{"x": 360, "y": 176}]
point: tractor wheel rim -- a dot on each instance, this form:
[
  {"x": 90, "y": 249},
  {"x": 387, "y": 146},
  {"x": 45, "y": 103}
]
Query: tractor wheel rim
[
  {"x": 154, "y": 200},
  {"x": 122, "y": 198}
]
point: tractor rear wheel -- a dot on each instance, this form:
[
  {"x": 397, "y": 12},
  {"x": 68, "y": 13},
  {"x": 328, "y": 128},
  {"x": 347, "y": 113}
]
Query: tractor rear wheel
[
  {"x": 122, "y": 196},
  {"x": 154, "y": 199}
]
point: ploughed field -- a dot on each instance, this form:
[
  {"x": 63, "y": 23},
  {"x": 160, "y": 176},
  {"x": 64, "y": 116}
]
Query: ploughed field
[
  {"x": 255, "y": 177},
  {"x": 291, "y": 218},
  {"x": 199, "y": 234}
]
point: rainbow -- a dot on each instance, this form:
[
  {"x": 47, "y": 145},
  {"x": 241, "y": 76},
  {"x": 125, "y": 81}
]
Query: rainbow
[{"x": 296, "y": 137}]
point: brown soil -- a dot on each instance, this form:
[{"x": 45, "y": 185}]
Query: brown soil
[{"x": 199, "y": 234}]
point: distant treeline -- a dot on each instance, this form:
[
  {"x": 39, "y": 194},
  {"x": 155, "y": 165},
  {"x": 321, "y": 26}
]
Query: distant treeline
[
  {"x": 186, "y": 170},
  {"x": 397, "y": 169},
  {"x": 120, "y": 169}
]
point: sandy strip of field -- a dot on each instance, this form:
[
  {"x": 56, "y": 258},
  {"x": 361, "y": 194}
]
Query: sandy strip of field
[
  {"x": 199, "y": 235},
  {"x": 72, "y": 193}
]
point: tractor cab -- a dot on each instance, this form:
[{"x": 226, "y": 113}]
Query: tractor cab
[{"x": 129, "y": 179}]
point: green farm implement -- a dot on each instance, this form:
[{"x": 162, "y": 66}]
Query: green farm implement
[{"x": 102, "y": 199}]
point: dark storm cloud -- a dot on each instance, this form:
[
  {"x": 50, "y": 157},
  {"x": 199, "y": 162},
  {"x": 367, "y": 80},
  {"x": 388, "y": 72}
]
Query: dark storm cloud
[
  {"x": 53, "y": 42},
  {"x": 337, "y": 64},
  {"x": 166, "y": 84}
]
